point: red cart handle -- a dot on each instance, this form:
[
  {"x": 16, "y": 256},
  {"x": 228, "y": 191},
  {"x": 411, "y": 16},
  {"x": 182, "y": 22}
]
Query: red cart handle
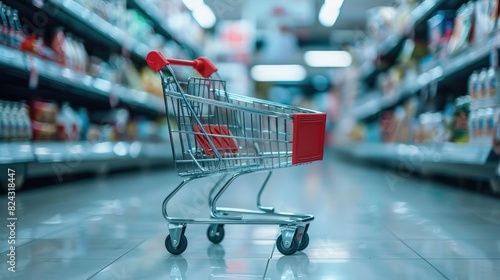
[{"x": 203, "y": 65}]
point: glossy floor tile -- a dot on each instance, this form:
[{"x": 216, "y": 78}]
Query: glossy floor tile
[
  {"x": 468, "y": 269},
  {"x": 366, "y": 227},
  {"x": 291, "y": 267}
]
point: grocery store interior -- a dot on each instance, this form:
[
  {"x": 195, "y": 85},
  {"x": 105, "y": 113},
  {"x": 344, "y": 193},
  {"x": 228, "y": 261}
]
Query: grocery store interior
[{"x": 250, "y": 139}]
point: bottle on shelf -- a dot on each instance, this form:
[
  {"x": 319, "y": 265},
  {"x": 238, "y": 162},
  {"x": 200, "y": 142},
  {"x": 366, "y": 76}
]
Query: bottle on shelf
[
  {"x": 483, "y": 81},
  {"x": 5, "y": 25},
  {"x": 57, "y": 45},
  {"x": 489, "y": 115},
  {"x": 3, "y": 122},
  {"x": 17, "y": 30},
  {"x": 473, "y": 85},
  {"x": 492, "y": 83},
  {"x": 472, "y": 126}
]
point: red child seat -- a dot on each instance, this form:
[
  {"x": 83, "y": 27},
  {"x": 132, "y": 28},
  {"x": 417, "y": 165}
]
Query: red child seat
[{"x": 220, "y": 136}]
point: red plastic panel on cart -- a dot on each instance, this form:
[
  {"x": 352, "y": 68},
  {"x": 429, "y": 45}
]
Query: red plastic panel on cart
[
  {"x": 223, "y": 143},
  {"x": 308, "y": 137}
]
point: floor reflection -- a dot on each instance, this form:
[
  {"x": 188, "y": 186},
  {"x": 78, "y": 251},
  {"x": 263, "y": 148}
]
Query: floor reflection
[
  {"x": 216, "y": 253},
  {"x": 293, "y": 267},
  {"x": 178, "y": 267}
]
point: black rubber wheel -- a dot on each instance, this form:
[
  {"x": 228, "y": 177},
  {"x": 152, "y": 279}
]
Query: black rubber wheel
[
  {"x": 181, "y": 248},
  {"x": 304, "y": 243},
  {"x": 215, "y": 233},
  {"x": 287, "y": 251}
]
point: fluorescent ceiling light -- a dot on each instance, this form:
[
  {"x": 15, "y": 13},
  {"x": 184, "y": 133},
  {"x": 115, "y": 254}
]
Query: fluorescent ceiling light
[
  {"x": 204, "y": 16},
  {"x": 201, "y": 13},
  {"x": 328, "y": 58},
  {"x": 278, "y": 73},
  {"x": 193, "y": 4},
  {"x": 329, "y": 12}
]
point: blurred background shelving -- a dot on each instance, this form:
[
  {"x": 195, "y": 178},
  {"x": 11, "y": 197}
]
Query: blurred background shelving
[
  {"x": 75, "y": 87},
  {"x": 413, "y": 93},
  {"x": 394, "y": 80}
]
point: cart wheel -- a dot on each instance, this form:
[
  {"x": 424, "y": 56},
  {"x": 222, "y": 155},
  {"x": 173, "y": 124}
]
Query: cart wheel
[
  {"x": 304, "y": 243},
  {"x": 181, "y": 248},
  {"x": 215, "y": 233},
  {"x": 287, "y": 251}
]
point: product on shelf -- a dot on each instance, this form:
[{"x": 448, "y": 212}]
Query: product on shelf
[
  {"x": 57, "y": 45},
  {"x": 35, "y": 44},
  {"x": 11, "y": 29},
  {"x": 110, "y": 10},
  {"x": 68, "y": 124},
  {"x": 43, "y": 120},
  {"x": 431, "y": 128},
  {"x": 69, "y": 51},
  {"x": 14, "y": 121},
  {"x": 459, "y": 123},
  {"x": 473, "y": 85},
  {"x": 496, "y": 132},
  {"x": 151, "y": 82},
  {"x": 440, "y": 32},
  {"x": 486, "y": 15},
  {"x": 463, "y": 27}
]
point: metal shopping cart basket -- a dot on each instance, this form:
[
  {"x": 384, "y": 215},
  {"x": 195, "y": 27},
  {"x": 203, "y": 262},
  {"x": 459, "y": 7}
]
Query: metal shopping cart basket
[{"x": 219, "y": 132}]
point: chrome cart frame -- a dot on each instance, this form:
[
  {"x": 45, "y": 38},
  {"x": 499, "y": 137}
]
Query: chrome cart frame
[{"x": 216, "y": 132}]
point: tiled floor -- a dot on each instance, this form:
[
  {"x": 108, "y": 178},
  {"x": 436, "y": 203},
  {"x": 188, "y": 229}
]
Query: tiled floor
[{"x": 367, "y": 226}]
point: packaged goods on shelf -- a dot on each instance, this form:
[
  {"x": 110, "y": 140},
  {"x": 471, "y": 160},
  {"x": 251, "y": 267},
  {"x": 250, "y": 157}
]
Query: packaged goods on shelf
[
  {"x": 459, "y": 122},
  {"x": 440, "y": 32},
  {"x": 14, "y": 121},
  {"x": 463, "y": 27},
  {"x": 483, "y": 92},
  {"x": 68, "y": 124},
  {"x": 11, "y": 26},
  {"x": 44, "y": 120},
  {"x": 431, "y": 128},
  {"x": 486, "y": 16}
]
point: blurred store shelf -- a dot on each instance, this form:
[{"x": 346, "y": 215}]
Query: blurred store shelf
[
  {"x": 60, "y": 159},
  {"x": 476, "y": 161},
  {"x": 183, "y": 38},
  {"x": 92, "y": 88},
  {"x": 50, "y": 152},
  {"x": 73, "y": 13},
  {"x": 11, "y": 153},
  {"x": 441, "y": 71},
  {"x": 389, "y": 46}
]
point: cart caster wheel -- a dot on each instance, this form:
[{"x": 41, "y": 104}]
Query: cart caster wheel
[
  {"x": 287, "y": 251},
  {"x": 215, "y": 233},
  {"x": 180, "y": 248},
  {"x": 304, "y": 243}
]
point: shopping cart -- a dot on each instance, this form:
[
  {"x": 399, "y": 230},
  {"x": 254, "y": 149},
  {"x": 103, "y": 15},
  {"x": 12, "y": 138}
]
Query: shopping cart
[{"x": 216, "y": 132}]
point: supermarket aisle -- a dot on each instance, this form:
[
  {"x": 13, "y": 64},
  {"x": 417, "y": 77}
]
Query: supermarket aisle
[{"x": 365, "y": 228}]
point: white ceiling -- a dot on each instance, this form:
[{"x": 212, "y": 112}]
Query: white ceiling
[{"x": 351, "y": 22}]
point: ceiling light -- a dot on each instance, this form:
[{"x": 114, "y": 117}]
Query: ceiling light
[
  {"x": 204, "y": 16},
  {"x": 278, "y": 73},
  {"x": 329, "y": 12},
  {"x": 328, "y": 58},
  {"x": 201, "y": 13},
  {"x": 193, "y": 4}
]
